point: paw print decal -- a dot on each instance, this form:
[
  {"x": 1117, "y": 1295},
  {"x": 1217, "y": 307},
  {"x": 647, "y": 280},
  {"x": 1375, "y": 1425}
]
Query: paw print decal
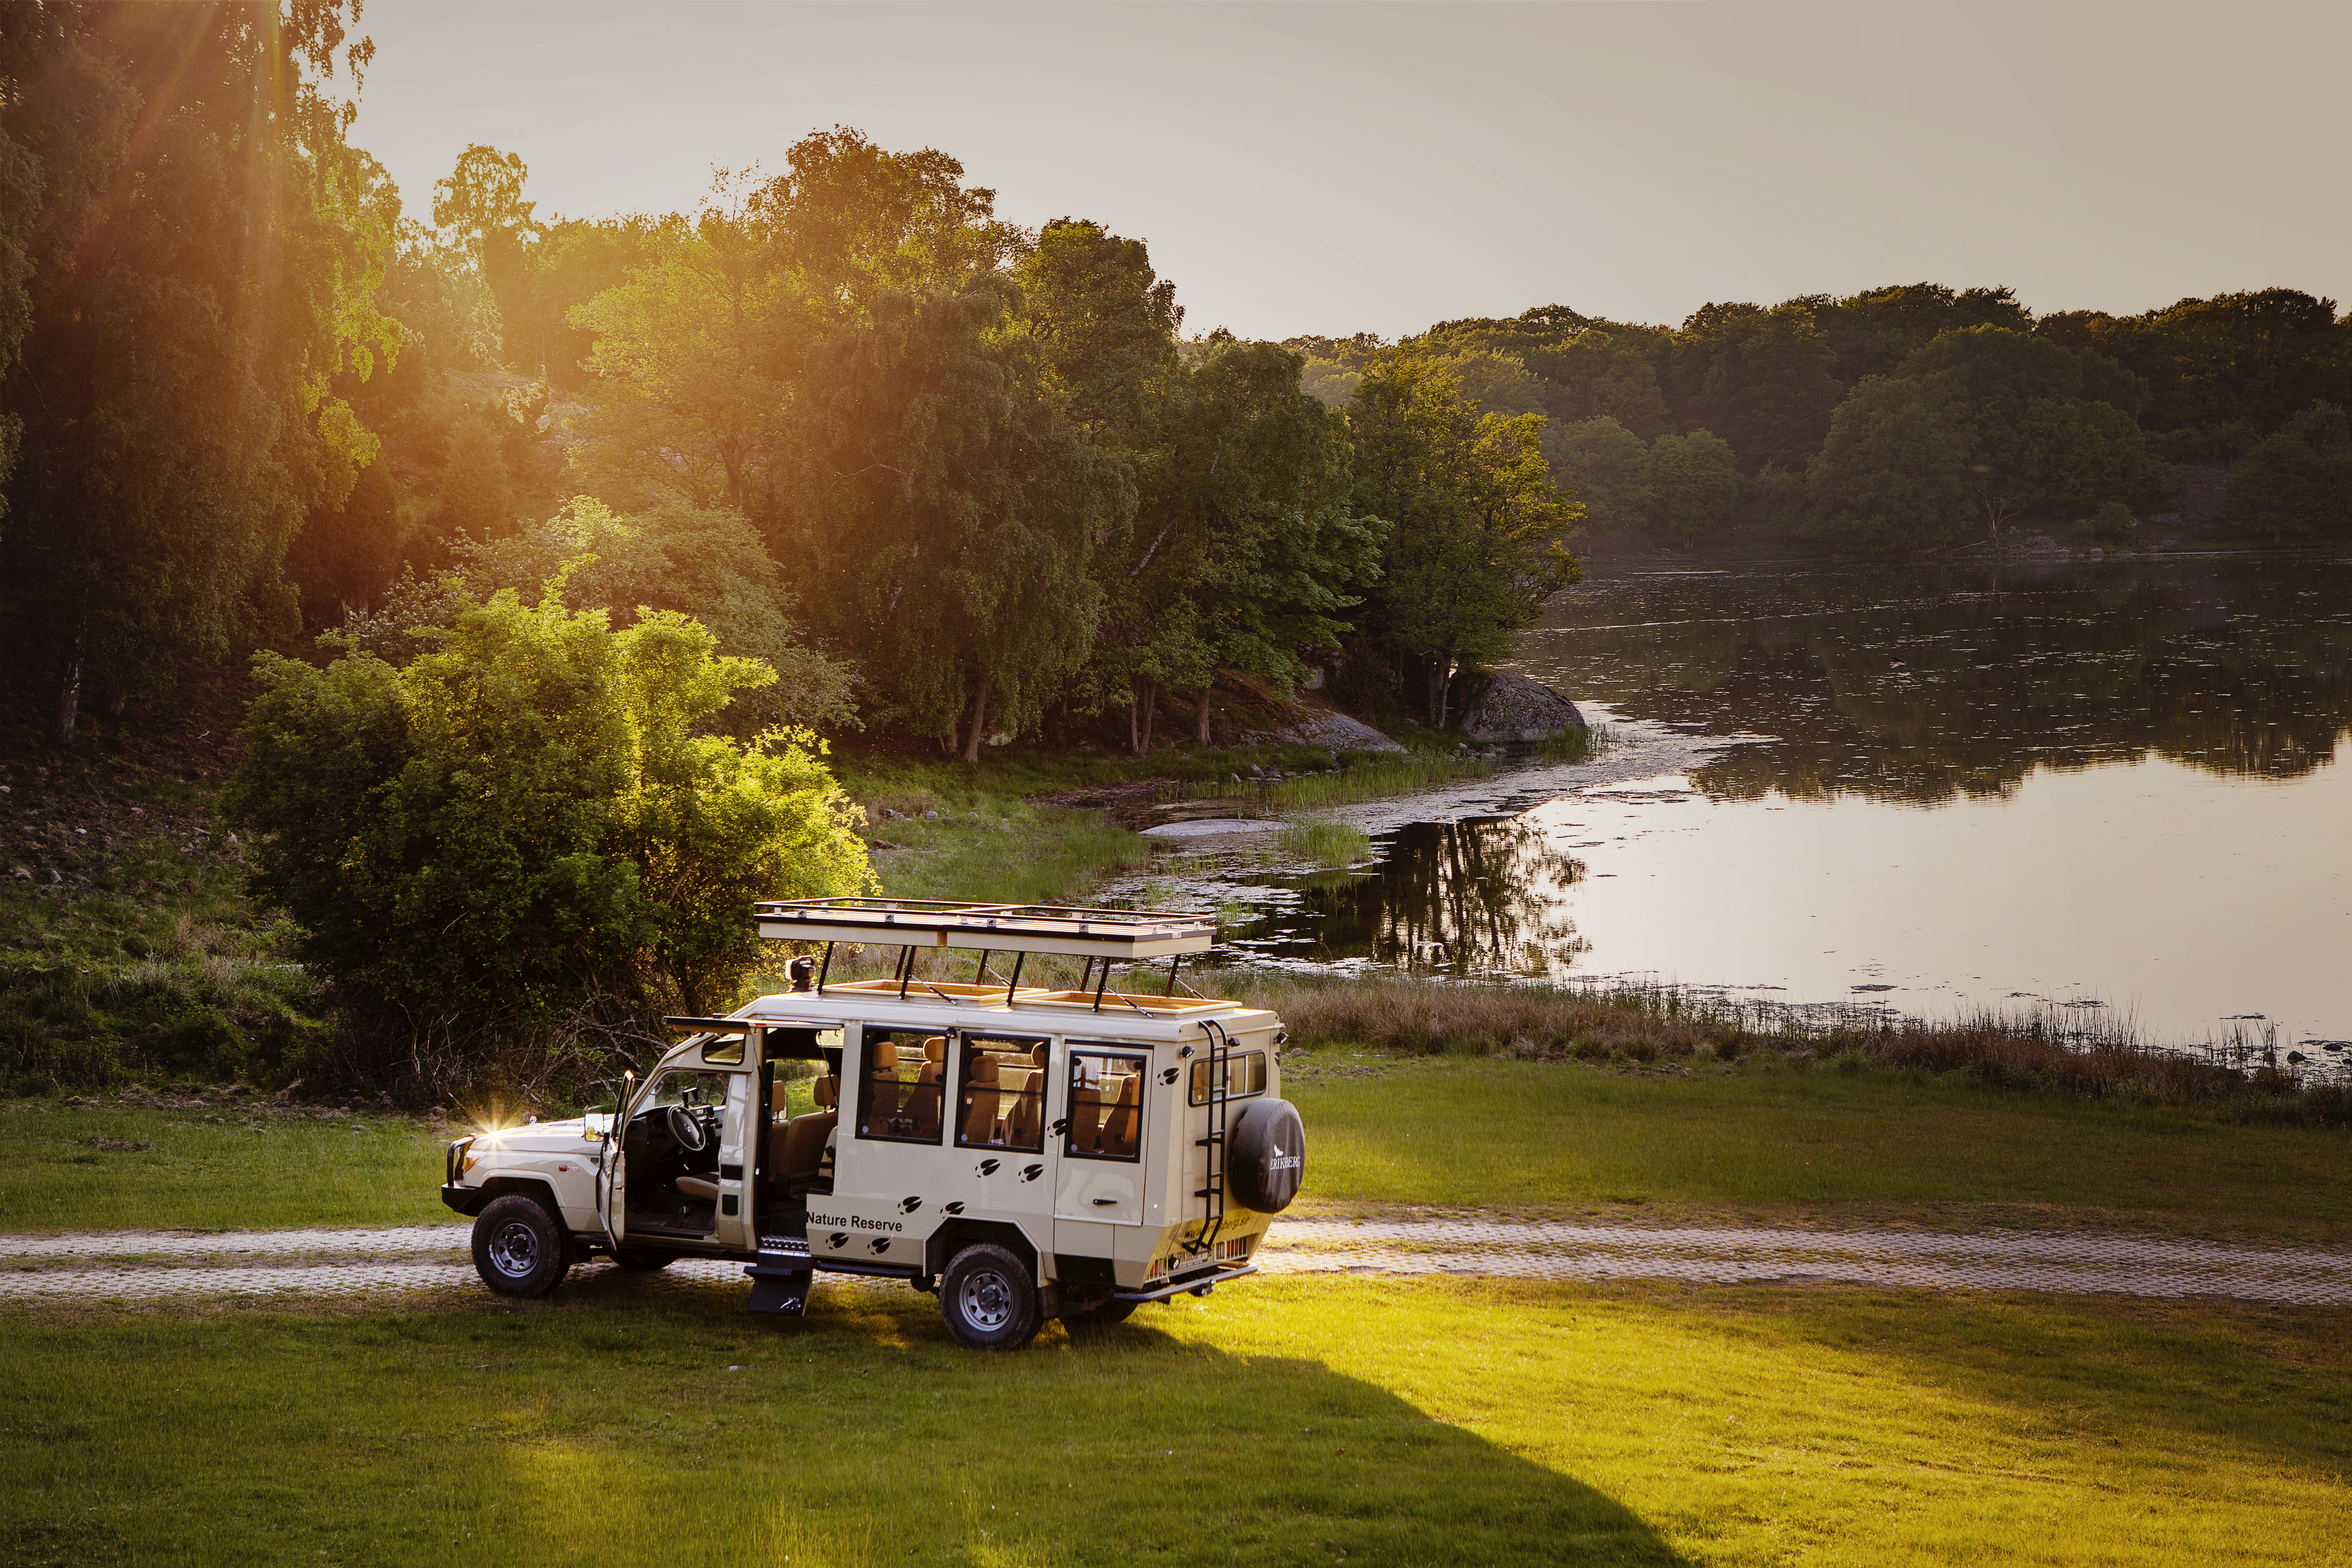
[
  {"x": 1168, "y": 1075},
  {"x": 1060, "y": 1126},
  {"x": 955, "y": 1208},
  {"x": 988, "y": 1167},
  {"x": 908, "y": 1205},
  {"x": 881, "y": 1245},
  {"x": 839, "y": 1238},
  {"x": 1031, "y": 1173}
]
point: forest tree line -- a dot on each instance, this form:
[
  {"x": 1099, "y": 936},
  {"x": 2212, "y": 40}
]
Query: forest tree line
[
  {"x": 1915, "y": 415},
  {"x": 950, "y": 477}
]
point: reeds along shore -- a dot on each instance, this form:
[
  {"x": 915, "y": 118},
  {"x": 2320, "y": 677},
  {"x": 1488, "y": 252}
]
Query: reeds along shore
[{"x": 2041, "y": 1050}]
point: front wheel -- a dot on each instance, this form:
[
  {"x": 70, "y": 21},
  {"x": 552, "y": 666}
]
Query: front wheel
[
  {"x": 988, "y": 1299},
  {"x": 518, "y": 1247}
]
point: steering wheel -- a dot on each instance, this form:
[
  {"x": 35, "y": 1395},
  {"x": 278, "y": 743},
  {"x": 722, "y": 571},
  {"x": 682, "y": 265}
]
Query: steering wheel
[{"x": 687, "y": 1130}]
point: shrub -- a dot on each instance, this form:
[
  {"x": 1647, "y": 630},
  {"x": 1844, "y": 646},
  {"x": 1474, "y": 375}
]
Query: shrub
[{"x": 523, "y": 831}]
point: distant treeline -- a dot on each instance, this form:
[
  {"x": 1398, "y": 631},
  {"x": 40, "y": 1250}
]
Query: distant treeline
[
  {"x": 1915, "y": 414},
  {"x": 953, "y": 479}
]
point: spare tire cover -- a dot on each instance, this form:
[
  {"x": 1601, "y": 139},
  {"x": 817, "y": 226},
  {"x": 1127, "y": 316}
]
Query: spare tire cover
[{"x": 1265, "y": 1155}]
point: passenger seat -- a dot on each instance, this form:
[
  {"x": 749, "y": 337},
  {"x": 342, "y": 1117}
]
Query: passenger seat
[{"x": 796, "y": 1148}]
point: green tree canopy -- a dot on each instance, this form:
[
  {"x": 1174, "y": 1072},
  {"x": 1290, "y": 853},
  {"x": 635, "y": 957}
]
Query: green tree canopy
[
  {"x": 1694, "y": 484},
  {"x": 201, "y": 267},
  {"x": 1894, "y": 474},
  {"x": 1758, "y": 378},
  {"x": 709, "y": 564},
  {"x": 347, "y": 553},
  {"x": 528, "y": 816},
  {"x": 2286, "y": 491},
  {"x": 1606, "y": 468},
  {"x": 1479, "y": 532},
  {"x": 1871, "y": 334}
]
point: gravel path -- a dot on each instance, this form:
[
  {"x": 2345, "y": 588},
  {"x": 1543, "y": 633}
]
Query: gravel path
[{"x": 152, "y": 1265}]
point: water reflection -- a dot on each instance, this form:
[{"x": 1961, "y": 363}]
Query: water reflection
[
  {"x": 1461, "y": 897},
  {"x": 1928, "y": 684}
]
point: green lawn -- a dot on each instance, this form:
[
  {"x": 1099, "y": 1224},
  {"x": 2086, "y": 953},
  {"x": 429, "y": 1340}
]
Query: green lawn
[
  {"x": 1450, "y": 1132},
  {"x": 1277, "y": 1422},
  {"x": 1490, "y": 1132},
  {"x": 211, "y": 1170}
]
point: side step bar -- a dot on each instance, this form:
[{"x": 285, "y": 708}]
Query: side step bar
[{"x": 1198, "y": 1285}]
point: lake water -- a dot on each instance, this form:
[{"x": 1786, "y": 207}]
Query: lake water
[{"x": 2117, "y": 784}]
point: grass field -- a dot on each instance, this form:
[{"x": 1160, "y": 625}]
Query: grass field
[
  {"x": 1381, "y": 1131},
  {"x": 631, "y": 1422},
  {"x": 1503, "y": 1134}
]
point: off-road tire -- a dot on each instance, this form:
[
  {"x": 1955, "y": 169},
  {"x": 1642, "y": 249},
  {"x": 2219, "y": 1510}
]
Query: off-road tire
[
  {"x": 988, "y": 1299},
  {"x": 519, "y": 1248},
  {"x": 1265, "y": 1155},
  {"x": 644, "y": 1259},
  {"x": 1105, "y": 1315}
]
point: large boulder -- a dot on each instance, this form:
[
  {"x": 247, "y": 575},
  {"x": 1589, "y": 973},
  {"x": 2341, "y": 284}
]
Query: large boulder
[
  {"x": 1305, "y": 725},
  {"x": 1511, "y": 710}
]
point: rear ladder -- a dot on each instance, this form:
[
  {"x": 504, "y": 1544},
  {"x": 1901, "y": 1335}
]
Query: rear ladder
[{"x": 1212, "y": 1194}]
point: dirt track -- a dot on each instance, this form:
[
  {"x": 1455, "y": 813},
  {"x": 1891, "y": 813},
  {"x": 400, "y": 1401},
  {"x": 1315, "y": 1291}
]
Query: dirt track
[{"x": 151, "y": 1266}]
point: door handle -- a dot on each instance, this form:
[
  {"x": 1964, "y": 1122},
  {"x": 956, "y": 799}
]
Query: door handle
[{"x": 1105, "y": 1203}]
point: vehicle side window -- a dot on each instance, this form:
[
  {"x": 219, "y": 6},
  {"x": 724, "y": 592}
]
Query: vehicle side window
[
  {"x": 898, "y": 1085},
  {"x": 1106, "y": 1104},
  {"x": 1000, "y": 1093},
  {"x": 1245, "y": 1075}
]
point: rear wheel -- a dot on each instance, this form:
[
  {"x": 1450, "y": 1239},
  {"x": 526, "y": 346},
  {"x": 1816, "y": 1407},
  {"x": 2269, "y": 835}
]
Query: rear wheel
[
  {"x": 518, "y": 1247},
  {"x": 644, "y": 1259},
  {"x": 988, "y": 1299}
]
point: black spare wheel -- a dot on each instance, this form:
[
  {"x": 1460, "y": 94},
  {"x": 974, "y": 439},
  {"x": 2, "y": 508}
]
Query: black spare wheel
[
  {"x": 988, "y": 1299},
  {"x": 1265, "y": 1153},
  {"x": 518, "y": 1247}
]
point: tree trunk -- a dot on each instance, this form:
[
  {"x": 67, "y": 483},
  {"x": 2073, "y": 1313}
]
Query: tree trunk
[
  {"x": 69, "y": 687},
  {"x": 1202, "y": 716},
  {"x": 979, "y": 724},
  {"x": 1151, "y": 711}
]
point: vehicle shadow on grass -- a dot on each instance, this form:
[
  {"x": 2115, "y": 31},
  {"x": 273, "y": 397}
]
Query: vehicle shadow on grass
[{"x": 863, "y": 1433}]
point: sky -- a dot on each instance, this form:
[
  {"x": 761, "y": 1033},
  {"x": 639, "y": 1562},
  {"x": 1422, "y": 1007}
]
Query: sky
[{"x": 1333, "y": 168}]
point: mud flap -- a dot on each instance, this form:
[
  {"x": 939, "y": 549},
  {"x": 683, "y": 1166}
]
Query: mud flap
[{"x": 779, "y": 1289}]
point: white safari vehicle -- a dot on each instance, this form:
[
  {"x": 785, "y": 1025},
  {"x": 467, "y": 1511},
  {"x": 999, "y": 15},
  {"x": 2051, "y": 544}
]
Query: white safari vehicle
[{"x": 1025, "y": 1154}]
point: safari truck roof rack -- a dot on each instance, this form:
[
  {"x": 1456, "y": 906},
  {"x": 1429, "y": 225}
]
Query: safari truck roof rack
[{"x": 1099, "y": 936}]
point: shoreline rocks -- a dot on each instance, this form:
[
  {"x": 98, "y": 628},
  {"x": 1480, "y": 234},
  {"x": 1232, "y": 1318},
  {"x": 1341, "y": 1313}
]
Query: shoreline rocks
[{"x": 1496, "y": 707}]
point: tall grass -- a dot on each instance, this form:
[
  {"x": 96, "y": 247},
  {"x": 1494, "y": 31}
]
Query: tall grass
[
  {"x": 1325, "y": 841},
  {"x": 1377, "y": 778},
  {"x": 2042, "y": 1050}
]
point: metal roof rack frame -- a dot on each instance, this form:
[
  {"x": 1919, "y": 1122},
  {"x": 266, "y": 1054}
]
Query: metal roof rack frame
[
  {"x": 1079, "y": 932},
  {"x": 1096, "y": 935}
]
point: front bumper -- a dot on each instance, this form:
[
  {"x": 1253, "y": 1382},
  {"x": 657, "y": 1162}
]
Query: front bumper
[{"x": 467, "y": 1201}]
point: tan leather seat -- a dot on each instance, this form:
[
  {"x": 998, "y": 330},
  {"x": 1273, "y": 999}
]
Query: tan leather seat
[
  {"x": 827, "y": 1092},
  {"x": 879, "y": 1111},
  {"x": 922, "y": 1111},
  {"x": 980, "y": 1096},
  {"x": 796, "y": 1150},
  {"x": 1085, "y": 1117},
  {"x": 699, "y": 1188},
  {"x": 1120, "y": 1126},
  {"x": 1021, "y": 1105}
]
